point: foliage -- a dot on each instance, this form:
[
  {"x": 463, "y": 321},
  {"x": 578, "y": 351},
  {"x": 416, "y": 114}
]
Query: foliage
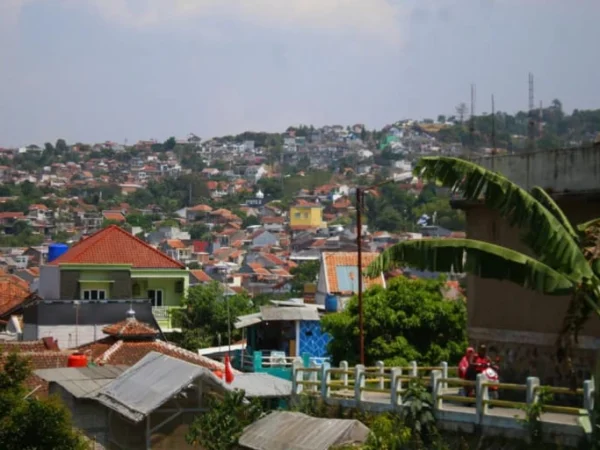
[
  {"x": 27, "y": 423},
  {"x": 533, "y": 418},
  {"x": 198, "y": 230},
  {"x": 305, "y": 272},
  {"x": 222, "y": 425},
  {"x": 207, "y": 315},
  {"x": 417, "y": 411},
  {"x": 22, "y": 236},
  {"x": 410, "y": 320}
]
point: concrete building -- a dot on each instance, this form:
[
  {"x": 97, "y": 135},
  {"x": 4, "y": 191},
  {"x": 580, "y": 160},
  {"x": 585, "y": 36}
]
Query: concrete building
[{"x": 520, "y": 325}]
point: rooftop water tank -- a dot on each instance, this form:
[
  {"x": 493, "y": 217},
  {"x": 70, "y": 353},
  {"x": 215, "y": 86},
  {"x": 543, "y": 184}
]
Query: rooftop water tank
[
  {"x": 77, "y": 360},
  {"x": 331, "y": 303},
  {"x": 56, "y": 250}
]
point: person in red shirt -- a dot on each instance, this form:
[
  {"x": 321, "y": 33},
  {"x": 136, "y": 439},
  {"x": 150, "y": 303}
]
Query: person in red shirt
[
  {"x": 481, "y": 359},
  {"x": 463, "y": 365}
]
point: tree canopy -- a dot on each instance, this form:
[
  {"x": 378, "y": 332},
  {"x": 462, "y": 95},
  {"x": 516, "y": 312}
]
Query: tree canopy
[{"x": 408, "y": 321}]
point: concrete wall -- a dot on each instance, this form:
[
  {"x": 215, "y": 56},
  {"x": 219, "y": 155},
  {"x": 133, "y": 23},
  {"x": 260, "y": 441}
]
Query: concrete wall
[
  {"x": 564, "y": 170},
  {"x": 521, "y": 324}
]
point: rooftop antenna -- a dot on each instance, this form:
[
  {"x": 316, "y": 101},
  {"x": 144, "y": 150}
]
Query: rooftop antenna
[
  {"x": 531, "y": 123},
  {"x": 472, "y": 119},
  {"x": 494, "y": 150}
]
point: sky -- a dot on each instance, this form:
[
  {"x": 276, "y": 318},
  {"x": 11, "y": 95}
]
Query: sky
[{"x": 97, "y": 70}]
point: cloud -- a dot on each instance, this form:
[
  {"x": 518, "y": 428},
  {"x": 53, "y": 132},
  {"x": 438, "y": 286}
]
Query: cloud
[{"x": 374, "y": 18}]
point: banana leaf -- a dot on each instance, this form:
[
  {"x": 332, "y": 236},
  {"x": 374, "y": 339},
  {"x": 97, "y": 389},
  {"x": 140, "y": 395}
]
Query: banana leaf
[
  {"x": 544, "y": 234},
  {"x": 475, "y": 257}
]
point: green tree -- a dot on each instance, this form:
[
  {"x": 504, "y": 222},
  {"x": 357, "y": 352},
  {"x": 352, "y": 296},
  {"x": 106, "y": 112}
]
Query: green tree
[
  {"x": 561, "y": 263},
  {"x": 223, "y": 424},
  {"x": 408, "y": 321},
  {"x": 208, "y": 315},
  {"x": 304, "y": 273},
  {"x": 61, "y": 146},
  {"x": 27, "y": 423},
  {"x": 198, "y": 230},
  {"x": 140, "y": 220}
]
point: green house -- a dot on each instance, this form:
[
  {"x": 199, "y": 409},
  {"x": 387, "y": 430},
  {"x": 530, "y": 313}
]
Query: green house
[{"x": 112, "y": 264}]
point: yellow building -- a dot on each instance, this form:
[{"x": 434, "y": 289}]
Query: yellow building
[{"x": 305, "y": 215}]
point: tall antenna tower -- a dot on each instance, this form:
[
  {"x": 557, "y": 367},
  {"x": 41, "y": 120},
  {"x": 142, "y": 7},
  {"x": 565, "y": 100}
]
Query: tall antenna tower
[
  {"x": 541, "y": 120},
  {"x": 472, "y": 121},
  {"x": 531, "y": 123},
  {"x": 494, "y": 150}
]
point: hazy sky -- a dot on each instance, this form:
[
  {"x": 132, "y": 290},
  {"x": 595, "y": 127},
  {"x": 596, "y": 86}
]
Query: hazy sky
[{"x": 95, "y": 70}]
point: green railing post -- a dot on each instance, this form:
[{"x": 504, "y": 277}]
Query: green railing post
[
  {"x": 257, "y": 361},
  {"x": 306, "y": 359}
]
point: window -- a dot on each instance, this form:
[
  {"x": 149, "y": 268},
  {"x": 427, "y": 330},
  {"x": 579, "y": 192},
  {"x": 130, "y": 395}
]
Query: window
[
  {"x": 306, "y": 215},
  {"x": 156, "y": 297},
  {"x": 94, "y": 294},
  {"x": 297, "y": 215}
]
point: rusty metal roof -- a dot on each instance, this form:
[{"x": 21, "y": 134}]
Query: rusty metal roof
[{"x": 284, "y": 430}]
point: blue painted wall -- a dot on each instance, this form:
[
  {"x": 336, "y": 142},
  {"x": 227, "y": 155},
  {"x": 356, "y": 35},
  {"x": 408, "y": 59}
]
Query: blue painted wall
[{"x": 312, "y": 339}]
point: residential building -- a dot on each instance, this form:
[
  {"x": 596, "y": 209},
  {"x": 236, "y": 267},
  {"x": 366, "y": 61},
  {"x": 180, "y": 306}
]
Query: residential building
[
  {"x": 306, "y": 215},
  {"x": 112, "y": 264},
  {"x": 338, "y": 276}
]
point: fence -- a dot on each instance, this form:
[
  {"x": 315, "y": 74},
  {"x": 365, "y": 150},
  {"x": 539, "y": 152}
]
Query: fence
[{"x": 381, "y": 388}]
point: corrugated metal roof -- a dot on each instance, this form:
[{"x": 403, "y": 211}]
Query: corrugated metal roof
[
  {"x": 82, "y": 382},
  {"x": 150, "y": 383},
  {"x": 284, "y": 430},
  {"x": 262, "y": 385},
  {"x": 248, "y": 320},
  {"x": 288, "y": 313}
]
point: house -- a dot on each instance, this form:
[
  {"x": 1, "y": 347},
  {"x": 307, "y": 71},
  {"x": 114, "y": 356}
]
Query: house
[
  {"x": 293, "y": 328},
  {"x": 13, "y": 292},
  {"x": 338, "y": 276},
  {"x": 113, "y": 216},
  {"x": 177, "y": 249},
  {"x": 197, "y": 212},
  {"x": 112, "y": 264},
  {"x": 264, "y": 238},
  {"x": 199, "y": 276},
  {"x": 305, "y": 215}
]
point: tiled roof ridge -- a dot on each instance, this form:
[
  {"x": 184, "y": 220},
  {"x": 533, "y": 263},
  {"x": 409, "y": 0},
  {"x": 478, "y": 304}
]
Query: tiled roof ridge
[
  {"x": 189, "y": 354},
  {"x": 129, "y": 235},
  {"x": 108, "y": 353}
]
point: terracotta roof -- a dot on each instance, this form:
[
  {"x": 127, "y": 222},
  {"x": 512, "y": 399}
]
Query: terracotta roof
[
  {"x": 116, "y": 216},
  {"x": 130, "y": 328},
  {"x": 13, "y": 292},
  {"x": 38, "y": 206},
  {"x": 201, "y": 276},
  {"x": 12, "y": 215},
  {"x": 113, "y": 245},
  {"x": 333, "y": 260},
  {"x": 272, "y": 219},
  {"x": 175, "y": 243},
  {"x": 212, "y": 185},
  {"x": 304, "y": 204},
  {"x": 200, "y": 208}
]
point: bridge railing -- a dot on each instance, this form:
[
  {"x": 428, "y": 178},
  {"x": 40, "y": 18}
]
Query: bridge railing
[{"x": 382, "y": 387}]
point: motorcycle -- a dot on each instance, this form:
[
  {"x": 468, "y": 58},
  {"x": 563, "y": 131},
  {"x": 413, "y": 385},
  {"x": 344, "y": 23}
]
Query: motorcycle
[{"x": 490, "y": 374}]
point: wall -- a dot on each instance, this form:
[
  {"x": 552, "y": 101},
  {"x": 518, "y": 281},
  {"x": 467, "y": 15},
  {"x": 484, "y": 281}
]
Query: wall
[
  {"x": 312, "y": 338},
  {"x": 559, "y": 170},
  {"x": 49, "y": 284}
]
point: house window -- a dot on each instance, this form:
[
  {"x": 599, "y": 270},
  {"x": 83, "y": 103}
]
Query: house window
[
  {"x": 306, "y": 215},
  {"x": 297, "y": 215},
  {"x": 94, "y": 294},
  {"x": 156, "y": 297}
]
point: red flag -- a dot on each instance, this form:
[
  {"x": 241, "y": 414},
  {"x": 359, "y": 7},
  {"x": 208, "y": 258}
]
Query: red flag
[{"x": 228, "y": 370}]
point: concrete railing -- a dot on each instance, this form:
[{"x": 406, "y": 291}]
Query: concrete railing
[{"x": 381, "y": 388}]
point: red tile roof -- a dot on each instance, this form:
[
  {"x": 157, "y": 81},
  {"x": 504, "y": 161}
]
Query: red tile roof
[
  {"x": 175, "y": 243},
  {"x": 113, "y": 245},
  {"x": 12, "y": 215},
  {"x": 13, "y": 292},
  {"x": 116, "y": 216},
  {"x": 201, "y": 276},
  {"x": 130, "y": 328},
  {"x": 332, "y": 260},
  {"x": 200, "y": 208}
]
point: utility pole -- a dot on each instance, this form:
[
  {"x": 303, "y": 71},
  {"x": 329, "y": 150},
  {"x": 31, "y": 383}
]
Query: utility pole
[
  {"x": 472, "y": 118},
  {"x": 359, "y": 197}
]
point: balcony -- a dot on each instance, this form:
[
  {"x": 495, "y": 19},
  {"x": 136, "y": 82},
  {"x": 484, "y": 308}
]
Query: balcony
[{"x": 164, "y": 315}]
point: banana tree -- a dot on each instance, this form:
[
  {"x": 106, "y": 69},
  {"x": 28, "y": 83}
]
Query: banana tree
[{"x": 565, "y": 261}]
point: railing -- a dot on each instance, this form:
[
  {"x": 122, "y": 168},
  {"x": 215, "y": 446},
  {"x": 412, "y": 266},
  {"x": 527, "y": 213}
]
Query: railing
[
  {"x": 278, "y": 365},
  {"x": 164, "y": 316},
  {"x": 381, "y": 388}
]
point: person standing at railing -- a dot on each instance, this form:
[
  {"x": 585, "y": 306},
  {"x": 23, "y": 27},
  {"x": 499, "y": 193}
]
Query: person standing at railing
[{"x": 463, "y": 365}]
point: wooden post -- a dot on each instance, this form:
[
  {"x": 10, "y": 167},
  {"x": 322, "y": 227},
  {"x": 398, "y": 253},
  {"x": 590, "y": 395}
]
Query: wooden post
[
  {"x": 359, "y": 383},
  {"x": 314, "y": 376},
  {"x": 381, "y": 370},
  {"x": 344, "y": 367}
]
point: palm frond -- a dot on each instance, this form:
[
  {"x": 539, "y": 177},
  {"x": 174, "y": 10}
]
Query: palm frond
[
  {"x": 544, "y": 234},
  {"x": 475, "y": 257},
  {"x": 548, "y": 202},
  {"x": 582, "y": 227}
]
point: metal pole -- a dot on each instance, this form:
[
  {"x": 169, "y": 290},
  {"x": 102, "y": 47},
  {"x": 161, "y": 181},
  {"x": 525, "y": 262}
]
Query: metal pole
[{"x": 359, "y": 267}]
